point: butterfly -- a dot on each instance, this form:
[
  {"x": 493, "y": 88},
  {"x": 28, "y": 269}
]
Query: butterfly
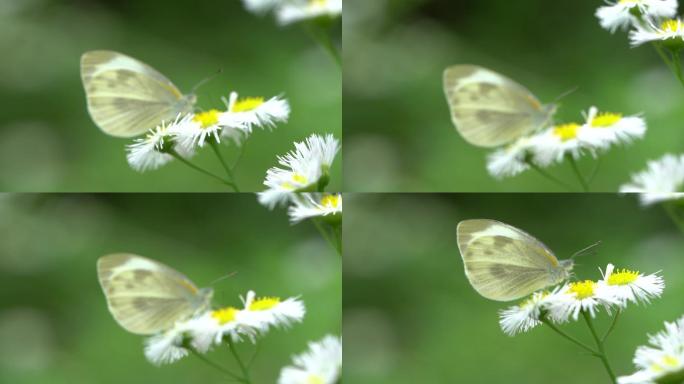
[
  {"x": 127, "y": 97},
  {"x": 504, "y": 263},
  {"x": 490, "y": 110},
  {"x": 145, "y": 296}
]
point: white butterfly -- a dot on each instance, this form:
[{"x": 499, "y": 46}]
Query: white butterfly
[
  {"x": 126, "y": 97},
  {"x": 504, "y": 263},
  {"x": 489, "y": 109},
  {"x": 145, "y": 296}
]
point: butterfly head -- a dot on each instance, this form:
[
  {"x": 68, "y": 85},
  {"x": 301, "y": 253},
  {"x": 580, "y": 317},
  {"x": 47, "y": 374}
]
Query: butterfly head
[
  {"x": 204, "y": 296},
  {"x": 563, "y": 271}
]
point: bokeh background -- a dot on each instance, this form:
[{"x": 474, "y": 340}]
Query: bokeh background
[
  {"x": 49, "y": 142},
  {"x": 410, "y": 315},
  {"x": 54, "y": 323},
  {"x": 398, "y": 131}
]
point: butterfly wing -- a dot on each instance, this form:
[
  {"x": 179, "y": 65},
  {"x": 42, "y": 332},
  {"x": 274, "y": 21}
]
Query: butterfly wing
[
  {"x": 489, "y": 109},
  {"x": 145, "y": 296},
  {"x": 127, "y": 97},
  {"x": 502, "y": 262}
]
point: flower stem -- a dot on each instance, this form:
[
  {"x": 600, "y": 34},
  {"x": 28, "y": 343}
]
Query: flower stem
[
  {"x": 240, "y": 154},
  {"x": 575, "y": 169},
  {"x": 217, "y": 367},
  {"x": 672, "y": 63},
  {"x": 671, "y": 211},
  {"x": 612, "y": 326},
  {"x": 548, "y": 176},
  {"x": 336, "y": 245},
  {"x": 243, "y": 367},
  {"x": 319, "y": 33},
  {"x": 201, "y": 170},
  {"x": 217, "y": 151},
  {"x": 568, "y": 337},
  {"x": 601, "y": 349}
]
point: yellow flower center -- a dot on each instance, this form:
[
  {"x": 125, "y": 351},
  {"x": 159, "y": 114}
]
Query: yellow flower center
[
  {"x": 622, "y": 277},
  {"x": 582, "y": 289},
  {"x": 668, "y": 361},
  {"x": 670, "y": 26},
  {"x": 247, "y": 104},
  {"x": 318, "y": 3},
  {"x": 629, "y": 1},
  {"x": 566, "y": 131},
  {"x": 331, "y": 201},
  {"x": 225, "y": 315},
  {"x": 263, "y": 303},
  {"x": 314, "y": 379},
  {"x": 208, "y": 118},
  {"x": 605, "y": 119}
]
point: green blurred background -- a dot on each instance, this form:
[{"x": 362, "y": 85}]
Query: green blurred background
[
  {"x": 49, "y": 142},
  {"x": 410, "y": 315},
  {"x": 54, "y": 323},
  {"x": 398, "y": 132}
]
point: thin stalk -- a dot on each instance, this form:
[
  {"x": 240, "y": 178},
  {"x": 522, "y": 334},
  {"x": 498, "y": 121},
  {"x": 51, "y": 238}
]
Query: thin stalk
[
  {"x": 229, "y": 172},
  {"x": 670, "y": 209},
  {"x": 243, "y": 367},
  {"x": 575, "y": 169},
  {"x": 612, "y": 326},
  {"x": 321, "y": 36},
  {"x": 548, "y": 176},
  {"x": 240, "y": 154},
  {"x": 217, "y": 367},
  {"x": 568, "y": 337},
  {"x": 201, "y": 170},
  {"x": 594, "y": 171},
  {"x": 324, "y": 233},
  {"x": 677, "y": 65},
  {"x": 601, "y": 349},
  {"x": 337, "y": 232}
]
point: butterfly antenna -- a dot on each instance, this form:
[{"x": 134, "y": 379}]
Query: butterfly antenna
[
  {"x": 590, "y": 250},
  {"x": 566, "y": 93},
  {"x": 224, "y": 277},
  {"x": 206, "y": 80}
]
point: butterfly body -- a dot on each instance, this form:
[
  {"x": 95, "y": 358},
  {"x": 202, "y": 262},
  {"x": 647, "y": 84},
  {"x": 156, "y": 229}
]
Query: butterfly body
[
  {"x": 504, "y": 263},
  {"x": 127, "y": 97},
  {"x": 145, "y": 296},
  {"x": 489, "y": 109}
]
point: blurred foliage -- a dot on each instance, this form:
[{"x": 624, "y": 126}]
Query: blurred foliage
[
  {"x": 398, "y": 132},
  {"x": 54, "y": 323},
  {"x": 410, "y": 315},
  {"x": 51, "y": 144}
]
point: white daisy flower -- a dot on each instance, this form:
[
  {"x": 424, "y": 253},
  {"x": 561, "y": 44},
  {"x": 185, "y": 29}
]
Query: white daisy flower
[
  {"x": 321, "y": 364},
  {"x": 265, "y": 312},
  {"x": 526, "y": 315},
  {"x": 511, "y": 160},
  {"x": 553, "y": 144},
  {"x": 252, "y": 112},
  {"x": 213, "y": 326},
  {"x": 633, "y": 286},
  {"x": 579, "y": 296},
  {"x": 605, "y": 129},
  {"x": 148, "y": 153},
  {"x": 308, "y": 205},
  {"x": 663, "y": 360},
  {"x": 623, "y": 13},
  {"x": 662, "y": 181},
  {"x": 201, "y": 127},
  {"x": 261, "y": 6},
  {"x": 669, "y": 32},
  {"x": 299, "y": 10},
  {"x": 166, "y": 347},
  {"x": 306, "y": 169}
]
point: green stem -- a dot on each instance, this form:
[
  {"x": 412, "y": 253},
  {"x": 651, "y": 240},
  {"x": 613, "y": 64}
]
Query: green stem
[
  {"x": 217, "y": 367},
  {"x": 214, "y": 145},
  {"x": 321, "y": 36},
  {"x": 612, "y": 326},
  {"x": 243, "y": 367},
  {"x": 568, "y": 337},
  {"x": 201, "y": 170},
  {"x": 677, "y": 65},
  {"x": 337, "y": 232},
  {"x": 594, "y": 171},
  {"x": 548, "y": 176},
  {"x": 601, "y": 349},
  {"x": 240, "y": 154},
  {"x": 575, "y": 169},
  {"x": 670, "y": 209},
  {"x": 324, "y": 233}
]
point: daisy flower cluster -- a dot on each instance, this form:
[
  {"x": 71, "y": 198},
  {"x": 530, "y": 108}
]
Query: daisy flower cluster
[
  {"x": 663, "y": 360},
  {"x": 662, "y": 180},
  {"x": 183, "y": 136},
  {"x": 206, "y": 330},
  {"x": 320, "y": 364},
  {"x": 649, "y": 20},
  {"x": 599, "y": 132},
  {"x": 293, "y": 11},
  {"x": 614, "y": 291}
]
